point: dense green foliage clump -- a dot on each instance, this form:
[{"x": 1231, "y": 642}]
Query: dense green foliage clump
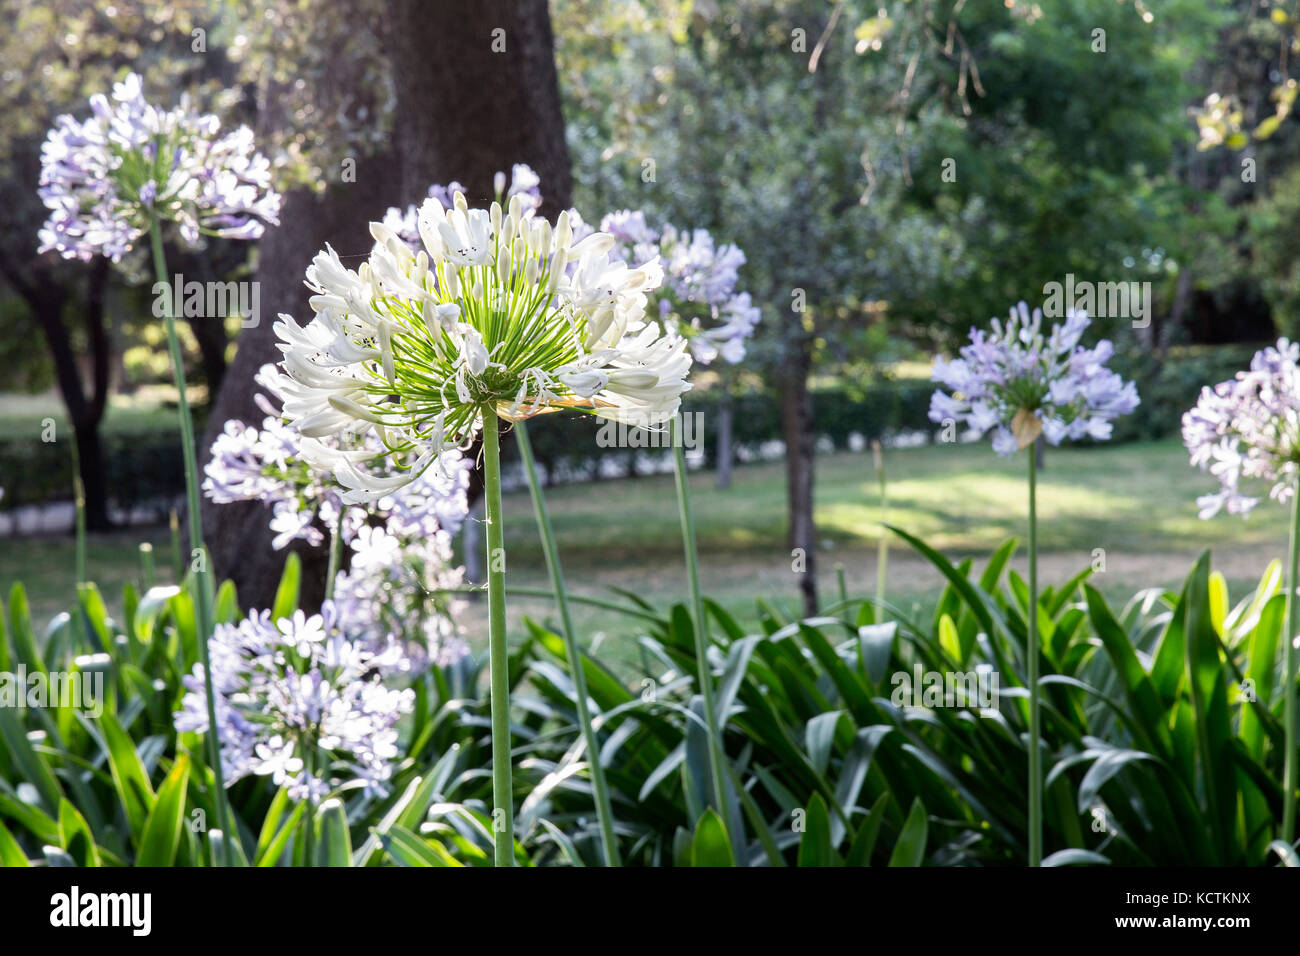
[{"x": 1162, "y": 739}]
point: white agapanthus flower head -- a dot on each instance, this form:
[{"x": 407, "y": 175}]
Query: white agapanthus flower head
[
  {"x": 698, "y": 298},
  {"x": 107, "y": 178},
  {"x": 498, "y": 311}
]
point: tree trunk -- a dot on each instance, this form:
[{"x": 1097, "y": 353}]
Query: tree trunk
[
  {"x": 1177, "y": 311},
  {"x": 797, "y": 428},
  {"x": 724, "y": 452},
  {"x": 90, "y": 414},
  {"x": 210, "y": 333},
  {"x": 46, "y": 299},
  {"x": 238, "y": 535},
  {"x": 90, "y": 455},
  {"x": 477, "y": 92}
]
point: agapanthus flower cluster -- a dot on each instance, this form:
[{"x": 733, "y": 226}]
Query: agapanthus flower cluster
[
  {"x": 1018, "y": 383},
  {"x": 397, "y": 592},
  {"x": 400, "y": 547},
  {"x": 523, "y": 182},
  {"x": 270, "y": 464},
  {"x": 299, "y": 702},
  {"x": 1249, "y": 428},
  {"x": 699, "y": 299},
  {"x": 106, "y": 179},
  {"x": 499, "y": 310}
]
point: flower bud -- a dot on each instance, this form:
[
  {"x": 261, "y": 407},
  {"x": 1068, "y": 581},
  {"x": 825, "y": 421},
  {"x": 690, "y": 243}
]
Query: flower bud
[{"x": 563, "y": 231}]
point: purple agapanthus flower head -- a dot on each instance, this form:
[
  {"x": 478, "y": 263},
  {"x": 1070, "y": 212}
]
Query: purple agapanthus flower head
[
  {"x": 297, "y": 687},
  {"x": 396, "y": 590},
  {"x": 699, "y": 298},
  {"x": 444, "y": 194},
  {"x": 1017, "y": 382},
  {"x": 107, "y": 178},
  {"x": 1248, "y": 428}
]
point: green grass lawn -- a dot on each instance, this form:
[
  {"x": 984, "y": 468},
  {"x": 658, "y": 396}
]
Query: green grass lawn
[
  {"x": 21, "y": 416},
  {"x": 46, "y": 566},
  {"x": 1135, "y": 501}
]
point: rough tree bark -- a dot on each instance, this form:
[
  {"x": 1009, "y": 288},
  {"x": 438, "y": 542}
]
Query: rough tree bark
[
  {"x": 466, "y": 108},
  {"x": 798, "y": 426},
  {"x": 476, "y": 92},
  {"x": 210, "y": 334}
]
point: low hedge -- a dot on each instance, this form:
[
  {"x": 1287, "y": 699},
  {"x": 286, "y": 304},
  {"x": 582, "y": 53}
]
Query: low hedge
[
  {"x": 141, "y": 468},
  {"x": 1170, "y": 387},
  {"x": 145, "y": 466},
  {"x": 566, "y": 443}
]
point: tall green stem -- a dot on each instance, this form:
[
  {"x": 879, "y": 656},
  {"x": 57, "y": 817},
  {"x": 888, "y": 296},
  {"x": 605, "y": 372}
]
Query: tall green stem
[
  {"x": 503, "y": 816},
  {"x": 336, "y": 551},
  {"x": 882, "y": 555},
  {"x": 701, "y": 628},
  {"x": 79, "y": 503},
  {"x": 202, "y": 589},
  {"x": 1031, "y": 653},
  {"x": 1290, "y": 770},
  {"x": 604, "y": 809},
  {"x": 146, "y": 564},
  {"x": 309, "y": 831},
  {"x": 174, "y": 527}
]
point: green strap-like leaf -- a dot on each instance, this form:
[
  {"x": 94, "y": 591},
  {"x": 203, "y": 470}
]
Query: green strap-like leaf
[
  {"x": 11, "y": 853},
  {"x": 910, "y": 848},
  {"x": 286, "y": 595},
  {"x": 409, "y": 849},
  {"x": 815, "y": 845},
  {"x": 76, "y": 837},
  {"x": 865, "y": 842},
  {"x": 334, "y": 844},
  {"x": 162, "y": 831},
  {"x": 710, "y": 846}
]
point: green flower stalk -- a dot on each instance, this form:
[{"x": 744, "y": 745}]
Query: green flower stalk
[
  {"x": 573, "y": 653},
  {"x": 500, "y": 315},
  {"x": 882, "y": 553},
  {"x": 704, "y": 671},
  {"x": 503, "y": 813},
  {"x": 1247, "y": 431},
  {"x": 1033, "y": 652},
  {"x": 1017, "y": 383},
  {"x": 203, "y": 589},
  {"x": 121, "y": 174}
]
